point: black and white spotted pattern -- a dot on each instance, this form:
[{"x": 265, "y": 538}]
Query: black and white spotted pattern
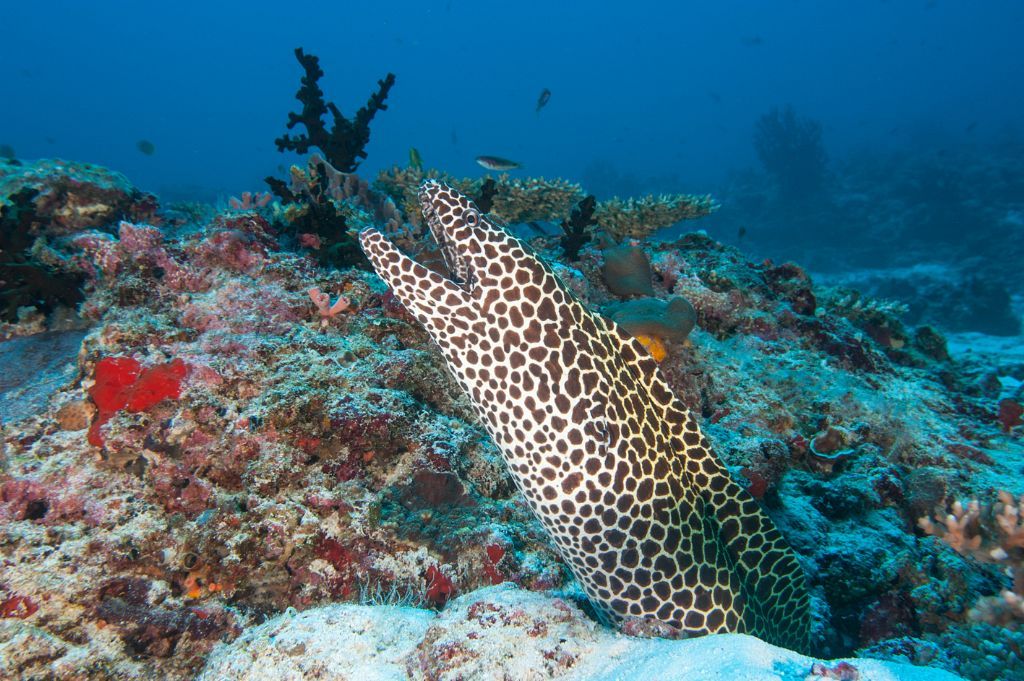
[{"x": 612, "y": 463}]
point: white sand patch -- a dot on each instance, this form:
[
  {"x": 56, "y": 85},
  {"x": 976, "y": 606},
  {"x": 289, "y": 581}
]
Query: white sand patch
[{"x": 503, "y": 632}]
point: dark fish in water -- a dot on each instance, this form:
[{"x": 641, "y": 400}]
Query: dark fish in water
[
  {"x": 740, "y": 233},
  {"x": 455, "y": 138},
  {"x": 497, "y": 163},
  {"x": 971, "y": 126},
  {"x": 415, "y": 160},
  {"x": 752, "y": 40},
  {"x": 146, "y": 147},
  {"x": 6, "y": 151},
  {"x": 545, "y": 95}
]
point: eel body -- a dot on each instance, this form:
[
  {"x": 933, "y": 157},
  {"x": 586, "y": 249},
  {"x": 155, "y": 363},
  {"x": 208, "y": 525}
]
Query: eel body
[{"x": 610, "y": 460}]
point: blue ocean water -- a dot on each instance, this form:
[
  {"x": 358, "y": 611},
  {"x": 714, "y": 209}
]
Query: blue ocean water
[{"x": 667, "y": 92}]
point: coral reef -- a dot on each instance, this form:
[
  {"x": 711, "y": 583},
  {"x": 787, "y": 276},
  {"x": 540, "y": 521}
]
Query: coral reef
[
  {"x": 43, "y": 205},
  {"x": 515, "y": 200},
  {"x": 511, "y": 199},
  {"x": 325, "y": 208},
  {"x": 936, "y": 229},
  {"x": 31, "y": 279},
  {"x": 641, "y": 217},
  {"x": 312, "y": 459}
]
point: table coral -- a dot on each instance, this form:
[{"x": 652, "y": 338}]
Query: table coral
[{"x": 515, "y": 200}]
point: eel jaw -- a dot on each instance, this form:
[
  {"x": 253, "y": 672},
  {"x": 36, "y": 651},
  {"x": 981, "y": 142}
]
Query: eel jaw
[{"x": 450, "y": 217}]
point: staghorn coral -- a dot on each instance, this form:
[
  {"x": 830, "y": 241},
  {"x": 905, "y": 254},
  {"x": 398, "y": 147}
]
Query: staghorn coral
[
  {"x": 1009, "y": 519},
  {"x": 856, "y": 307},
  {"x": 994, "y": 532},
  {"x": 349, "y": 195}
]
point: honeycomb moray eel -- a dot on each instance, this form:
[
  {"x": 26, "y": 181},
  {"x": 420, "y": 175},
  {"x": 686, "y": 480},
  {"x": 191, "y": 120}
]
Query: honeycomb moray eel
[{"x": 613, "y": 464}]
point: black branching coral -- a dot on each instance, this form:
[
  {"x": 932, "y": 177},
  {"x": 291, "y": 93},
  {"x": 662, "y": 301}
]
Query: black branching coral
[
  {"x": 344, "y": 144},
  {"x": 576, "y": 227}
]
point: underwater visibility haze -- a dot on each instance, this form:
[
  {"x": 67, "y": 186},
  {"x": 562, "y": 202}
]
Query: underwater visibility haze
[{"x": 540, "y": 340}]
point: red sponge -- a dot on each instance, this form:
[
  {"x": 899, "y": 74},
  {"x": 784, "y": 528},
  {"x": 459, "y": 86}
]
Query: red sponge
[{"x": 122, "y": 383}]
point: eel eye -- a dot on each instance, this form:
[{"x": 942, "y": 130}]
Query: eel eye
[{"x": 471, "y": 217}]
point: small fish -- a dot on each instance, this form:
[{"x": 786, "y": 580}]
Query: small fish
[
  {"x": 146, "y": 147},
  {"x": 415, "y": 160},
  {"x": 971, "y": 126},
  {"x": 752, "y": 41},
  {"x": 455, "y": 138},
  {"x": 497, "y": 163},
  {"x": 545, "y": 95},
  {"x": 7, "y": 151},
  {"x": 740, "y": 233}
]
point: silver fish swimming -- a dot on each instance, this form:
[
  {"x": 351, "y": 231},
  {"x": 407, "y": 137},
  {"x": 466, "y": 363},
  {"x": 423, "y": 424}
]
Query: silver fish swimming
[{"x": 497, "y": 163}]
